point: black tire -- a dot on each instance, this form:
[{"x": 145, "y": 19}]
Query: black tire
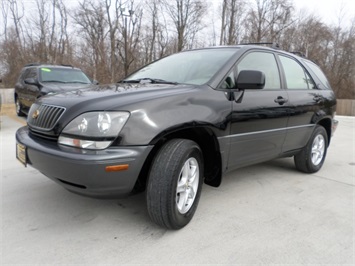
[
  {"x": 19, "y": 109},
  {"x": 165, "y": 205},
  {"x": 312, "y": 156}
]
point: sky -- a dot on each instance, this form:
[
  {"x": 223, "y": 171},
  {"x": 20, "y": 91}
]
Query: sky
[{"x": 329, "y": 10}]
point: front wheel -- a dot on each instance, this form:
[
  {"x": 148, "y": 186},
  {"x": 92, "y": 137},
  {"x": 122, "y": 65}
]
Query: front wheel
[
  {"x": 175, "y": 182},
  {"x": 19, "y": 109},
  {"x": 312, "y": 156}
]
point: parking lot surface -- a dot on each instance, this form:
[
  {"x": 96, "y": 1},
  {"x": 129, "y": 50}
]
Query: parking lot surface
[{"x": 265, "y": 214}]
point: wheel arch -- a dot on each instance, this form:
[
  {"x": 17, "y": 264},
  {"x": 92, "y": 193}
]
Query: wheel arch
[
  {"x": 327, "y": 124},
  {"x": 206, "y": 140}
]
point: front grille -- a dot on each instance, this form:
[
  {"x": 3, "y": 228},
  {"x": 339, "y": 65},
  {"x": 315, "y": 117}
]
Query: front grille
[{"x": 44, "y": 117}]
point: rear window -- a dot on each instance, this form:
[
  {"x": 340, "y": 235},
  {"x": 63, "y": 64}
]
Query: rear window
[{"x": 319, "y": 73}]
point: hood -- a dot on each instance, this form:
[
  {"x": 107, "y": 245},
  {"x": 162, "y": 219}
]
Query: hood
[
  {"x": 112, "y": 97},
  {"x": 54, "y": 87}
]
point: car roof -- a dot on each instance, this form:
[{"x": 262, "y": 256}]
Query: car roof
[
  {"x": 39, "y": 65},
  {"x": 260, "y": 46}
]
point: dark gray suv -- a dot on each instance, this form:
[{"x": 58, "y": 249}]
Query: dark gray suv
[
  {"x": 37, "y": 80},
  {"x": 183, "y": 120}
]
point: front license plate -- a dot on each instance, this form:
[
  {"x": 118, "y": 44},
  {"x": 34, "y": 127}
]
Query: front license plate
[{"x": 21, "y": 153}]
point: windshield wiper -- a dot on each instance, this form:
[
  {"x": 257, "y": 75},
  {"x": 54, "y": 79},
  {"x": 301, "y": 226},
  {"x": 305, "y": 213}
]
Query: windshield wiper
[
  {"x": 81, "y": 82},
  {"x": 149, "y": 80},
  {"x": 59, "y": 81}
]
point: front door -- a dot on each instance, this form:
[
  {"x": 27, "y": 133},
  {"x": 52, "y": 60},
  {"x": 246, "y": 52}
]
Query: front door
[{"x": 259, "y": 119}]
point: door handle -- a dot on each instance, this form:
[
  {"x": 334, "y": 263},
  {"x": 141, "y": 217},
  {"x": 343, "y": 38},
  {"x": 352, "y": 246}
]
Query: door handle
[{"x": 281, "y": 100}]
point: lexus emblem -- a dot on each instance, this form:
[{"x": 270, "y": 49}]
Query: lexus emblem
[{"x": 35, "y": 114}]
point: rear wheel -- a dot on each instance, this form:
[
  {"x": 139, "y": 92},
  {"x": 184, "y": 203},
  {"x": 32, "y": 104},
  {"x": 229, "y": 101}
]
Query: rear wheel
[
  {"x": 312, "y": 156},
  {"x": 175, "y": 182},
  {"x": 19, "y": 109}
]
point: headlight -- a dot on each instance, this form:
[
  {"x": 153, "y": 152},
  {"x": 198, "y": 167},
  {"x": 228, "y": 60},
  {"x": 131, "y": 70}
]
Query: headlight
[{"x": 94, "y": 130}]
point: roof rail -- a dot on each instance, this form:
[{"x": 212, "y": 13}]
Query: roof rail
[
  {"x": 299, "y": 54},
  {"x": 66, "y": 65},
  {"x": 32, "y": 64},
  {"x": 272, "y": 44}
]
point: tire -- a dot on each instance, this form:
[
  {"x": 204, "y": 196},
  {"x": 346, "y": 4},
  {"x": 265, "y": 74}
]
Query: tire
[
  {"x": 311, "y": 158},
  {"x": 19, "y": 109},
  {"x": 175, "y": 183}
]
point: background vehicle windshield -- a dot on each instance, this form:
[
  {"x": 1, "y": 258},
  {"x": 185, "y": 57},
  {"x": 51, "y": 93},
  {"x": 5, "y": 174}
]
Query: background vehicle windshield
[
  {"x": 192, "y": 67},
  {"x": 63, "y": 75}
]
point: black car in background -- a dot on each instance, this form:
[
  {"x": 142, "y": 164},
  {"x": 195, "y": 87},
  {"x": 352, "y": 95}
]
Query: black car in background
[
  {"x": 37, "y": 80},
  {"x": 183, "y": 120}
]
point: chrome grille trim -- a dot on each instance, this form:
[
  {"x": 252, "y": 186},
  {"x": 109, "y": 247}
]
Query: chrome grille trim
[{"x": 47, "y": 118}]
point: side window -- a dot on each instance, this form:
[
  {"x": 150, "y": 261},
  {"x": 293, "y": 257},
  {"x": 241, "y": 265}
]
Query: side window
[
  {"x": 28, "y": 73},
  {"x": 319, "y": 73},
  {"x": 296, "y": 76},
  {"x": 228, "y": 83},
  {"x": 32, "y": 73},
  {"x": 22, "y": 75},
  {"x": 264, "y": 62}
]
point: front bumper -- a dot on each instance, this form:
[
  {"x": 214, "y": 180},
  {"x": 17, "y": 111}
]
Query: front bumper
[{"x": 84, "y": 171}]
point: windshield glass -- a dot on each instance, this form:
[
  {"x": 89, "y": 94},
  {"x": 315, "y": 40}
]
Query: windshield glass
[
  {"x": 192, "y": 67},
  {"x": 63, "y": 75}
]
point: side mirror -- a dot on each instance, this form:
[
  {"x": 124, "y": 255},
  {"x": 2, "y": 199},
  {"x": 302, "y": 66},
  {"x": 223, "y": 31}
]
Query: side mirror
[
  {"x": 95, "y": 82},
  {"x": 31, "y": 81},
  {"x": 250, "y": 79}
]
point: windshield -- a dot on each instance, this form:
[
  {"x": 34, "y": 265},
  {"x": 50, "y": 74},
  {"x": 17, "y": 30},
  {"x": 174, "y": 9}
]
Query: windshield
[
  {"x": 63, "y": 75},
  {"x": 192, "y": 67}
]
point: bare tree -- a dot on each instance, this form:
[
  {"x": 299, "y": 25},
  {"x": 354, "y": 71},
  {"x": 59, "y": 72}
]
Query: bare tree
[
  {"x": 128, "y": 43},
  {"x": 113, "y": 25},
  {"x": 92, "y": 23},
  {"x": 269, "y": 19},
  {"x": 233, "y": 16},
  {"x": 187, "y": 18}
]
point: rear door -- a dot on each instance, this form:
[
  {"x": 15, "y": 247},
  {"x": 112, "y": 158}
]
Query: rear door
[
  {"x": 259, "y": 119},
  {"x": 306, "y": 103}
]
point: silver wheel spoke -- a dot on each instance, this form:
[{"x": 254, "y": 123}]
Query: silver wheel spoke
[
  {"x": 181, "y": 187},
  {"x": 183, "y": 197},
  {"x": 187, "y": 185},
  {"x": 193, "y": 171},
  {"x": 191, "y": 193},
  {"x": 318, "y": 149}
]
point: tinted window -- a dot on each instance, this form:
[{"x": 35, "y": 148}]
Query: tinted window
[
  {"x": 264, "y": 62},
  {"x": 296, "y": 76},
  {"x": 32, "y": 73},
  {"x": 22, "y": 75},
  {"x": 319, "y": 73}
]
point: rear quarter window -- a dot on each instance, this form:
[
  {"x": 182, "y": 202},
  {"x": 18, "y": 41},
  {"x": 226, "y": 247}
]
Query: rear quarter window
[{"x": 319, "y": 73}]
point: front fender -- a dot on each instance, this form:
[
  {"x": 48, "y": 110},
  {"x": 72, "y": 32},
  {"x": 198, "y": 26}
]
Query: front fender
[{"x": 153, "y": 118}]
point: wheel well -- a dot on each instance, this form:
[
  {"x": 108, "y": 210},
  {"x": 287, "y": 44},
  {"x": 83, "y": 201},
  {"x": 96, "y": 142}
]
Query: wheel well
[
  {"x": 327, "y": 124},
  {"x": 208, "y": 143}
]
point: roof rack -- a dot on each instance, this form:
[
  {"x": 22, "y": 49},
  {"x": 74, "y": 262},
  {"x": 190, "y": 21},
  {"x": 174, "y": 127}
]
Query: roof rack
[
  {"x": 33, "y": 64},
  {"x": 299, "y": 54},
  {"x": 272, "y": 44},
  {"x": 66, "y": 65}
]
